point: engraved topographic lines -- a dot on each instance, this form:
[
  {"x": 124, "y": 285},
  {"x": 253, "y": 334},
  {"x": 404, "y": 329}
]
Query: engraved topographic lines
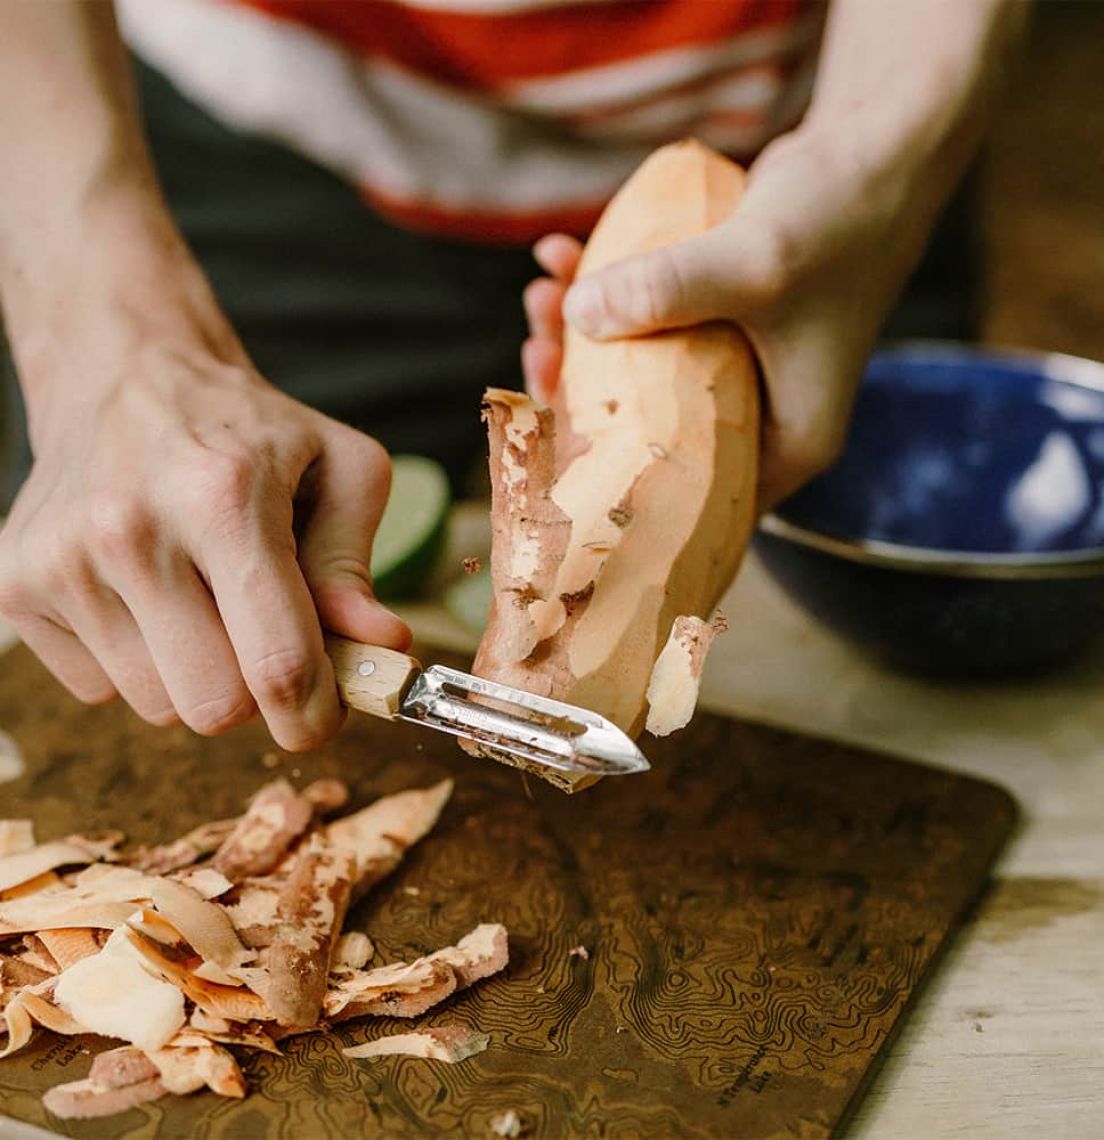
[
  {"x": 775, "y": 980},
  {"x": 494, "y": 861},
  {"x": 598, "y": 1116},
  {"x": 312, "y": 1090},
  {"x": 498, "y": 865},
  {"x": 679, "y": 996}
]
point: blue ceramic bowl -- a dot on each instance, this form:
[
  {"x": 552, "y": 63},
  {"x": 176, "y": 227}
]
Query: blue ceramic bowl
[{"x": 962, "y": 531}]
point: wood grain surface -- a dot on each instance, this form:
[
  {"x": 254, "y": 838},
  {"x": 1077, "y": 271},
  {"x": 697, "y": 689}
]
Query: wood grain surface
[{"x": 758, "y": 912}]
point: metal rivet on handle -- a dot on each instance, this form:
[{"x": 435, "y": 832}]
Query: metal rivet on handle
[{"x": 366, "y": 668}]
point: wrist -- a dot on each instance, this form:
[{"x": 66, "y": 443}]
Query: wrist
[
  {"x": 906, "y": 91},
  {"x": 83, "y": 312},
  {"x": 100, "y": 234},
  {"x": 886, "y": 172},
  {"x": 918, "y": 143}
]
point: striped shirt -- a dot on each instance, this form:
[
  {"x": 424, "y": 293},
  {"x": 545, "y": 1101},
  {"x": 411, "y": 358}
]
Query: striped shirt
[{"x": 494, "y": 120}]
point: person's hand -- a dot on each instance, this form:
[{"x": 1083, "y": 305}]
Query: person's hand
[
  {"x": 808, "y": 266},
  {"x": 187, "y": 531}
]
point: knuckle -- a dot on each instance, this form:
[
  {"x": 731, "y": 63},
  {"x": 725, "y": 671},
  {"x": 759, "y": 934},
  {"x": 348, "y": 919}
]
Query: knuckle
[
  {"x": 68, "y": 571},
  {"x": 372, "y": 454},
  {"x": 13, "y": 580},
  {"x": 224, "y": 484},
  {"x": 219, "y": 714},
  {"x": 662, "y": 287},
  {"x": 284, "y": 677},
  {"x": 14, "y": 600},
  {"x": 42, "y": 568},
  {"x": 640, "y": 292},
  {"x": 371, "y": 457},
  {"x": 770, "y": 263},
  {"x": 120, "y": 527},
  {"x": 141, "y": 687},
  {"x": 236, "y": 375}
]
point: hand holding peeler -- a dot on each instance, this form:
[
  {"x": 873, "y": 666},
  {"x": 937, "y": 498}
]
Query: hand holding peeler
[{"x": 394, "y": 686}]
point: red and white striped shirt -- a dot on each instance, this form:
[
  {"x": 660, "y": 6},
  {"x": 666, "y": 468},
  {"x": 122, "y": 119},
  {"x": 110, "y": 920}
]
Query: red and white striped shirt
[{"x": 496, "y": 120}]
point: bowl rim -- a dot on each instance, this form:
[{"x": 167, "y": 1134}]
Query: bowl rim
[{"x": 1078, "y": 371}]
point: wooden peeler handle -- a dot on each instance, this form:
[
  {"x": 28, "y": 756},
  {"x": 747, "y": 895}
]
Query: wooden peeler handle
[{"x": 369, "y": 678}]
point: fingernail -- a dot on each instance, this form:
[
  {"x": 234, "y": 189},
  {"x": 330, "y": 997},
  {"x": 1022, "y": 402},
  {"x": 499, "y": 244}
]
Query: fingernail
[{"x": 582, "y": 306}]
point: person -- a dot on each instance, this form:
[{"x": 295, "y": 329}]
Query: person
[{"x": 360, "y": 182}]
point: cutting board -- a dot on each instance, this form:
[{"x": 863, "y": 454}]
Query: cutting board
[{"x": 757, "y": 912}]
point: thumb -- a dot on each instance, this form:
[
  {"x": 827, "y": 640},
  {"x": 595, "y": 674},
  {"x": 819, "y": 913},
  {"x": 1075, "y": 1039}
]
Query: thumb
[
  {"x": 676, "y": 285},
  {"x": 335, "y": 548}
]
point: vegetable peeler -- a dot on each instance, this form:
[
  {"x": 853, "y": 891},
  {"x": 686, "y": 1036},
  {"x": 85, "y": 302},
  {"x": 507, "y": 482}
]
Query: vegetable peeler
[{"x": 394, "y": 686}]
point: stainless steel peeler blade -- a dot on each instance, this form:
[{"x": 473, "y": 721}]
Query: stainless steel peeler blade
[{"x": 543, "y": 731}]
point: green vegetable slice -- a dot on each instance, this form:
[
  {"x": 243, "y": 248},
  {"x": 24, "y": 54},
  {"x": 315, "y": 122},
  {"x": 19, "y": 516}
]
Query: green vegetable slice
[{"x": 412, "y": 530}]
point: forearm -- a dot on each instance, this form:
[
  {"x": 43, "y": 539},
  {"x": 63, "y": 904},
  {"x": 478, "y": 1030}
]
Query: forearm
[
  {"x": 86, "y": 241},
  {"x": 909, "y": 83}
]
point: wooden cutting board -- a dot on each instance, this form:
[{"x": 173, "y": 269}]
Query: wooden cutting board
[{"x": 758, "y": 912}]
